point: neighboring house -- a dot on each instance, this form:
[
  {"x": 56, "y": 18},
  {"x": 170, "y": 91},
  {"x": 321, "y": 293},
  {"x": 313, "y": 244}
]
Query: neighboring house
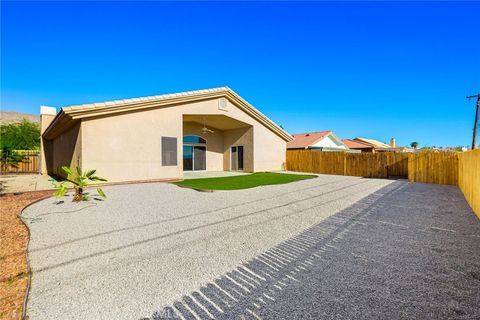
[
  {"x": 371, "y": 145},
  {"x": 321, "y": 141},
  {"x": 392, "y": 147},
  {"x": 358, "y": 145},
  {"x": 159, "y": 137}
]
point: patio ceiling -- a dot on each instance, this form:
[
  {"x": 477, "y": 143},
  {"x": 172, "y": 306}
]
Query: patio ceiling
[{"x": 220, "y": 122}]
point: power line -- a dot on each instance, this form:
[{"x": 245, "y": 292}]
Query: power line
[{"x": 475, "y": 124}]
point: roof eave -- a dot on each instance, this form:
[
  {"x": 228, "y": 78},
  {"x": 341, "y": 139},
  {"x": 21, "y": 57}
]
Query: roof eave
[
  {"x": 77, "y": 112},
  {"x": 59, "y": 119}
]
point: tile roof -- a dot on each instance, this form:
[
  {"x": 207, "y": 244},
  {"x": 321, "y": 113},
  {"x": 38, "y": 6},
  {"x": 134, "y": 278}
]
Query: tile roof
[
  {"x": 304, "y": 140},
  {"x": 76, "y": 112},
  {"x": 375, "y": 143},
  {"x": 356, "y": 144}
]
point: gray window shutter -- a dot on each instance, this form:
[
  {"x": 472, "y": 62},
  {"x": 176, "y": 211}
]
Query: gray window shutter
[{"x": 169, "y": 151}]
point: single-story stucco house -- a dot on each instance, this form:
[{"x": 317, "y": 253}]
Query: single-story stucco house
[{"x": 160, "y": 137}]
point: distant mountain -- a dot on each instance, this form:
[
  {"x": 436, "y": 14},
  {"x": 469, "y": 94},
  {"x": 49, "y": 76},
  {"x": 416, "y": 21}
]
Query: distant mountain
[{"x": 7, "y": 117}]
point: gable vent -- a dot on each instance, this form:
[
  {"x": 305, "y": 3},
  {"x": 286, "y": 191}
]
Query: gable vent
[{"x": 222, "y": 104}]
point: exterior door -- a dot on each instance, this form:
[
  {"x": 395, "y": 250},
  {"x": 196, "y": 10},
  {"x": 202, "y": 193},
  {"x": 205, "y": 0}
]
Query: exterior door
[
  {"x": 194, "y": 158},
  {"x": 194, "y": 153},
  {"x": 199, "y": 158},
  {"x": 236, "y": 163}
]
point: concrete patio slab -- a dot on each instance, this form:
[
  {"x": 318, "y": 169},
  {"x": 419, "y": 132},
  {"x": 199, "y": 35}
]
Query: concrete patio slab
[
  {"x": 25, "y": 183},
  {"x": 211, "y": 174}
]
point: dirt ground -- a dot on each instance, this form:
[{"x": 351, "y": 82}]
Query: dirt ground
[
  {"x": 13, "y": 245},
  {"x": 24, "y": 183}
]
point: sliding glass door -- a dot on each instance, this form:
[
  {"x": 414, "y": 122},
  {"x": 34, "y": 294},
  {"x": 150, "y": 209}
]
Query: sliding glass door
[{"x": 194, "y": 154}]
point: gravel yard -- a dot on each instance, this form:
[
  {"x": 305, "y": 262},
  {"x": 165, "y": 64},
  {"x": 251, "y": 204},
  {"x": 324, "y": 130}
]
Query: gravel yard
[{"x": 325, "y": 246}]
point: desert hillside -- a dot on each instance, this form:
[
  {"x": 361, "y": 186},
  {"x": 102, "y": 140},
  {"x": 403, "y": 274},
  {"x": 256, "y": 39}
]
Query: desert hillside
[{"x": 13, "y": 116}]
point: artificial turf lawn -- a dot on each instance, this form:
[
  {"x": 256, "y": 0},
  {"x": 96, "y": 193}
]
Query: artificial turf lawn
[{"x": 243, "y": 181}]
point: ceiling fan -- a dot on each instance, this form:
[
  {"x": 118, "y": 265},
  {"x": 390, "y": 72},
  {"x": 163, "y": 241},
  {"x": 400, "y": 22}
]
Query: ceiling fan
[{"x": 205, "y": 130}]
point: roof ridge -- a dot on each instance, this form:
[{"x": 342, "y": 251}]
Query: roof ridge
[
  {"x": 325, "y": 131},
  {"x": 146, "y": 98},
  {"x": 359, "y": 141}
]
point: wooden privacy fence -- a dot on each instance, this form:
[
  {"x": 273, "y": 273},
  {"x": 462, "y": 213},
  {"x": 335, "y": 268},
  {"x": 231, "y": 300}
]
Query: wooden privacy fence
[
  {"x": 30, "y": 164},
  {"x": 431, "y": 167},
  {"x": 372, "y": 165},
  {"x": 469, "y": 178},
  {"x": 459, "y": 169}
]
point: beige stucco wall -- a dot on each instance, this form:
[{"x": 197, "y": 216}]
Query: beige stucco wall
[
  {"x": 67, "y": 149},
  {"x": 269, "y": 150},
  {"x": 239, "y": 137},
  {"x": 126, "y": 147},
  {"x": 46, "y": 152}
]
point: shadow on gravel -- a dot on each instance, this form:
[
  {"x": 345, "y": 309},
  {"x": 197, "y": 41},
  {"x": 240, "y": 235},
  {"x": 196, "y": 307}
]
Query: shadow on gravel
[{"x": 406, "y": 251}]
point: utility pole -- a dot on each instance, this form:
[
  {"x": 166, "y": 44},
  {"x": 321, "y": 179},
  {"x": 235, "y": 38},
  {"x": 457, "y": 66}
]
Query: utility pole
[{"x": 475, "y": 124}]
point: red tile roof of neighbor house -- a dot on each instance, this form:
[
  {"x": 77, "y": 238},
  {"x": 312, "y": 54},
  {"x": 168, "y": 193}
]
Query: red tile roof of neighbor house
[
  {"x": 304, "y": 140},
  {"x": 356, "y": 144}
]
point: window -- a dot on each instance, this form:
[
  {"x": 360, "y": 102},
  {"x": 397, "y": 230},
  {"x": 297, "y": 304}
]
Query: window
[
  {"x": 169, "y": 151},
  {"x": 193, "y": 140}
]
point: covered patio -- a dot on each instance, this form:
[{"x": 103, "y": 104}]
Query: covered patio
[{"x": 216, "y": 143}]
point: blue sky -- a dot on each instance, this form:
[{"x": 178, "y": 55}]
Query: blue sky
[{"x": 376, "y": 70}]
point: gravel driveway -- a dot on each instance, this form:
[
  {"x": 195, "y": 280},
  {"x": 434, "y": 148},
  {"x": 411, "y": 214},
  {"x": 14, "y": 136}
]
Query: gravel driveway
[{"x": 269, "y": 251}]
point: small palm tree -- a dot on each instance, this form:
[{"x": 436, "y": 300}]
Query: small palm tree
[
  {"x": 414, "y": 145},
  {"x": 80, "y": 180}
]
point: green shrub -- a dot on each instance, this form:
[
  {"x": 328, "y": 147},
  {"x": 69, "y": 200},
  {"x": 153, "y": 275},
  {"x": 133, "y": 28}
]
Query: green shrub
[
  {"x": 9, "y": 158},
  {"x": 23, "y": 135}
]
